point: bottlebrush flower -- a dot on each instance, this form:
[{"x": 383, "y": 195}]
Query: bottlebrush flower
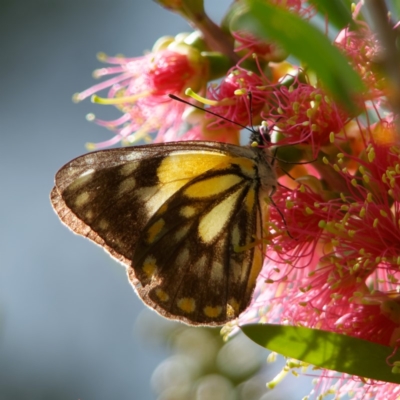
[
  {"x": 247, "y": 45},
  {"x": 141, "y": 88},
  {"x": 332, "y": 233},
  {"x": 304, "y": 114},
  {"x": 340, "y": 265},
  {"x": 230, "y": 99},
  {"x": 364, "y": 52}
]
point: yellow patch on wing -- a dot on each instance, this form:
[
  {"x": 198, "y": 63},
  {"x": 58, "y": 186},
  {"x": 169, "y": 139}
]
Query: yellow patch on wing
[
  {"x": 250, "y": 199},
  {"x": 89, "y": 215},
  {"x": 187, "y": 165},
  {"x": 150, "y": 266},
  {"x": 175, "y": 171},
  {"x": 186, "y": 304},
  {"x": 103, "y": 224},
  {"x": 246, "y": 165},
  {"x": 213, "y": 223},
  {"x": 187, "y": 211},
  {"x": 258, "y": 260},
  {"x": 162, "y": 209},
  {"x": 162, "y": 296},
  {"x": 212, "y": 186},
  {"x": 154, "y": 230},
  {"x": 212, "y": 312},
  {"x": 82, "y": 199},
  {"x": 232, "y": 308}
]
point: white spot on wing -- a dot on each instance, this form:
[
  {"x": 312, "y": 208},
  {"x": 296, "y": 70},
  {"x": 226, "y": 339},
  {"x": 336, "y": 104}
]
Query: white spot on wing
[
  {"x": 82, "y": 179},
  {"x": 183, "y": 258},
  {"x": 214, "y": 222},
  {"x": 126, "y": 185},
  {"x": 134, "y": 155},
  {"x": 200, "y": 266},
  {"x": 128, "y": 168},
  {"x": 217, "y": 271}
]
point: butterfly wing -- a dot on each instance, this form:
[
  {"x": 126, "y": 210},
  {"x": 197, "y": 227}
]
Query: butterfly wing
[{"x": 183, "y": 217}]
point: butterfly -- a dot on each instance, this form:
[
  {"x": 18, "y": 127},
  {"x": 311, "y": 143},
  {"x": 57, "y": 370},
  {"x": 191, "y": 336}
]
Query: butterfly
[{"x": 185, "y": 218}]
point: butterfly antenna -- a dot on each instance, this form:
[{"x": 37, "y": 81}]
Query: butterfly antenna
[
  {"x": 250, "y": 95},
  {"x": 282, "y": 216},
  {"x": 173, "y": 97}
]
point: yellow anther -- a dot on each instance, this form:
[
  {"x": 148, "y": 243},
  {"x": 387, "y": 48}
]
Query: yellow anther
[
  {"x": 289, "y": 204},
  {"x": 383, "y": 213},
  {"x": 371, "y": 155}
]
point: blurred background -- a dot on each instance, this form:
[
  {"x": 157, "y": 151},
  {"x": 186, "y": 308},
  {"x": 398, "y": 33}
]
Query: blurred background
[{"x": 71, "y": 327}]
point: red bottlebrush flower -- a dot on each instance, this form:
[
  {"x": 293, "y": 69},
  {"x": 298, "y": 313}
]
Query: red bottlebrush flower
[
  {"x": 361, "y": 241},
  {"x": 305, "y": 115},
  {"x": 230, "y": 98},
  {"x": 364, "y": 51},
  {"x": 141, "y": 91},
  {"x": 296, "y": 215},
  {"x": 376, "y": 319},
  {"x": 247, "y": 45}
]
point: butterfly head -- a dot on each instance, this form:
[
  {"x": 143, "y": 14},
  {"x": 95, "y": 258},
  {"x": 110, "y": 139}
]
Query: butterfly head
[{"x": 260, "y": 136}]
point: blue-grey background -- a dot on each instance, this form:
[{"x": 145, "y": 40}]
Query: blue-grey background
[
  {"x": 67, "y": 311},
  {"x": 71, "y": 327}
]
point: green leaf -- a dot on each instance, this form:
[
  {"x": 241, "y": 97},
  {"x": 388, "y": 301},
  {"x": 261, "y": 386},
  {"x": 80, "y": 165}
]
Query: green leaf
[
  {"x": 396, "y": 6},
  {"x": 326, "y": 350},
  {"x": 308, "y": 44},
  {"x": 338, "y": 12}
]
